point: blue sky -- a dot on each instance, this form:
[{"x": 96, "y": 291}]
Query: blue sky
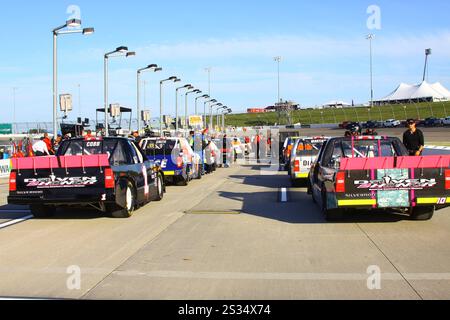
[{"x": 325, "y": 54}]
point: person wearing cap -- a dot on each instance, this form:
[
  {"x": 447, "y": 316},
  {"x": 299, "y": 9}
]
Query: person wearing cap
[
  {"x": 413, "y": 139},
  {"x": 137, "y": 137}
]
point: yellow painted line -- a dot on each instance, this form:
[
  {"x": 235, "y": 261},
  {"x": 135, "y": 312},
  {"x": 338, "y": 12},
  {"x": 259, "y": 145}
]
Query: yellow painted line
[
  {"x": 430, "y": 200},
  {"x": 368, "y": 202}
]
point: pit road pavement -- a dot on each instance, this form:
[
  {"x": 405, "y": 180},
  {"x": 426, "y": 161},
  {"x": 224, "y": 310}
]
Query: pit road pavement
[{"x": 227, "y": 236}]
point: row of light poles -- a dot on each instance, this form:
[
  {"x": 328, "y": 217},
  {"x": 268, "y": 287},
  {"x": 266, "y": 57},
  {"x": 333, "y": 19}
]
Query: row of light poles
[{"x": 73, "y": 27}]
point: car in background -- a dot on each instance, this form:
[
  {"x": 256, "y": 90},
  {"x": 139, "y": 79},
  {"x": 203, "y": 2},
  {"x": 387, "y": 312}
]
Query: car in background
[
  {"x": 303, "y": 156},
  {"x": 371, "y": 124},
  {"x": 432, "y": 122},
  {"x": 446, "y": 121},
  {"x": 287, "y": 150},
  {"x": 175, "y": 156},
  {"x": 392, "y": 123}
]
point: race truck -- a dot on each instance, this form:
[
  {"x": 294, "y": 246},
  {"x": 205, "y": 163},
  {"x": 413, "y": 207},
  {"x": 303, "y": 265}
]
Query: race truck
[
  {"x": 176, "y": 158},
  {"x": 112, "y": 175},
  {"x": 303, "y": 155},
  {"x": 287, "y": 151},
  {"x": 376, "y": 173}
]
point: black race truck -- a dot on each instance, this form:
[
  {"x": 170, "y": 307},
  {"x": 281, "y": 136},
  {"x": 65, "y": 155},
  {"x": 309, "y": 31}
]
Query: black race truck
[
  {"x": 373, "y": 173},
  {"x": 112, "y": 175}
]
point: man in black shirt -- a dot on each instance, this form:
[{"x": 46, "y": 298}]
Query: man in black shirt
[{"x": 413, "y": 139}]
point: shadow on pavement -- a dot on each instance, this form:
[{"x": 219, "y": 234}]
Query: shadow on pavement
[{"x": 300, "y": 208}]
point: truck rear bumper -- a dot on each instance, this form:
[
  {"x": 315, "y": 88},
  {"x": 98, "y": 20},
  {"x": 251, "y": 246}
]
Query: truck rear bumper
[{"x": 63, "y": 201}]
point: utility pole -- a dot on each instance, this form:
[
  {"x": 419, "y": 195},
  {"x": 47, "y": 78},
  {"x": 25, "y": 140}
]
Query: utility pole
[
  {"x": 427, "y": 53},
  {"x": 278, "y": 60}
]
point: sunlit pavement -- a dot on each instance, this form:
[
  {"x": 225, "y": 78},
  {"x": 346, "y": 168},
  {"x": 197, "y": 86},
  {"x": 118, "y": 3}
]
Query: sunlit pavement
[{"x": 227, "y": 236}]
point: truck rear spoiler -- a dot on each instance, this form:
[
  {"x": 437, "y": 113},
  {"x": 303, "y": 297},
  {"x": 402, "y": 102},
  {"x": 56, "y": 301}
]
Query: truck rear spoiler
[
  {"x": 62, "y": 162},
  {"x": 427, "y": 162}
]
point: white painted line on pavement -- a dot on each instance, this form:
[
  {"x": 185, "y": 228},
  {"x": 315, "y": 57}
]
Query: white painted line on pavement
[
  {"x": 284, "y": 195},
  {"x": 15, "y": 221}
]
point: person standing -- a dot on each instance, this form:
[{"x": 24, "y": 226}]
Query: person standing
[
  {"x": 49, "y": 144},
  {"x": 414, "y": 139},
  {"x": 40, "y": 148},
  {"x": 258, "y": 148}
]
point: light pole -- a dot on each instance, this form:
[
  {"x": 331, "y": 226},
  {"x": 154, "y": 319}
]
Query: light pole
[
  {"x": 211, "y": 113},
  {"x": 197, "y": 91},
  {"x": 205, "y": 96},
  {"x": 119, "y": 52},
  {"x": 187, "y": 87},
  {"x": 229, "y": 111},
  {"x": 172, "y": 79},
  {"x": 14, "y": 108},
  {"x": 154, "y": 68},
  {"x": 217, "y": 114},
  {"x": 62, "y": 30},
  {"x": 427, "y": 53},
  {"x": 79, "y": 100},
  {"x": 204, "y": 109},
  {"x": 370, "y": 38},
  {"x": 278, "y": 60}
]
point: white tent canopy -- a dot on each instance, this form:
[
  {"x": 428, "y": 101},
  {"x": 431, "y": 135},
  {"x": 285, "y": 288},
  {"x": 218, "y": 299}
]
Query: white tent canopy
[{"x": 424, "y": 92}]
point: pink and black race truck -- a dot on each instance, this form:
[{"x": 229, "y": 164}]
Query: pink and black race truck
[
  {"x": 112, "y": 175},
  {"x": 374, "y": 173}
]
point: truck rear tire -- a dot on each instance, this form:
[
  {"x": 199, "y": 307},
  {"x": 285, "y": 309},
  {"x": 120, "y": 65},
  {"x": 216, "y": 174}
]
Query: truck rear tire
[
  {"x": 41, "y": 211},
  {"x": 331, "y": 215},
  {"x": 160, "y": 188},
  {"x": 422, "y": 213},
  {"x": 123, "y": 213}
]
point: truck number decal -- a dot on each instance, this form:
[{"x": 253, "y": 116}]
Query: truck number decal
[
  {"x": 93, "y": 144},
  {"x": 442, "y": 201}
]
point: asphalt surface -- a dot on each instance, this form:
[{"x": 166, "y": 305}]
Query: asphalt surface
[{"x": 227, "y": 236}]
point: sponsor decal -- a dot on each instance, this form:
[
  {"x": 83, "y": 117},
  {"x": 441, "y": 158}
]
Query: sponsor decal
[
  {"x": 390, "y": 184},
  {"x": 358, "y": 195},
  {"x": 93, "y": 144},
  {"x": 5, "y": 168},
  {"x": 54, "y": 182}
]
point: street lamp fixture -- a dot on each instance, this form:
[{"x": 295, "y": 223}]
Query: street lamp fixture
[
  {"x": 62, "y": 30},
  {"x": 211, "y": 113},
  {"x": 171, "y": 79},
  {"x": 186, "y": 87},
  {"x": 205, "y": 96},
  {"x": 197, "y": 91},
  {"x": 151, "y": 67},
  {"x": 119, "y": 52}
]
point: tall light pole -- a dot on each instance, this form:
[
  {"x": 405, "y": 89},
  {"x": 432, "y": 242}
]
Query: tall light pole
[
  {"x": 14, "y": 90},
  {"x": 187, "y": 87},
  {"x": 204, "y": 109},
  {"x": 217, "y": 114},
  {"x": 79, "y": 100},
  {"x": 186, "y": 107},
  {"x": 370, "y": 37},
  {"x": 211, "y": 113},
  {"x": 171, "y": 79},
  {"x": 205, "y": 96},
  {"x": 278, "y": 60},
  {"x": 229, "y": 111},
  {"x": 154, "y": 68},
  {"x": 119, "y": 52},
  {"x": 427, "y": 53},
  {"x": 62, "y": 30}
]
